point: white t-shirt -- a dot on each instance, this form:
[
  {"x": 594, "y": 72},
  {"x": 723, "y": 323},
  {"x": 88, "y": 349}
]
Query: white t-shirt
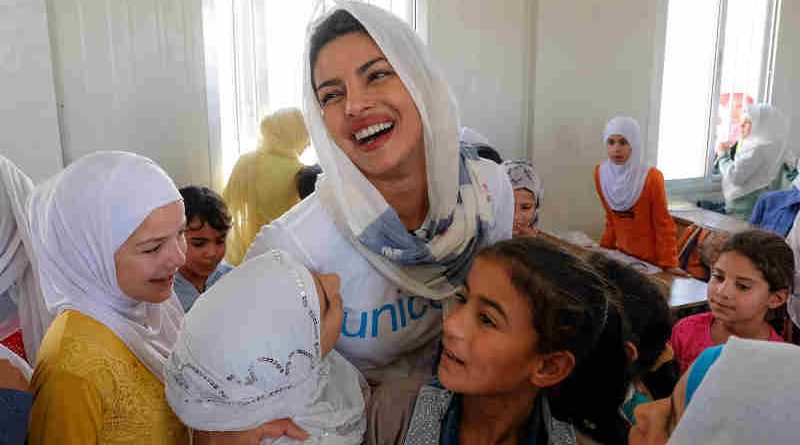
[{"x": 386, "y": 333}]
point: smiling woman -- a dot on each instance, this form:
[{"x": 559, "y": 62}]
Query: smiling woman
[
  {"x": 401, "y": 209},
  {"x": 109, "y": 277}
]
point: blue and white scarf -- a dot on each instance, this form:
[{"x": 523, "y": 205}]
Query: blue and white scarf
[{"x": 459, "y": 209}]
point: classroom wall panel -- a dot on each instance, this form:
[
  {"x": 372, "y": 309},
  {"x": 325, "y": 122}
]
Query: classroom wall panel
[
  {"x": 485, "y": 49},
  {"x": 28, "y": 117},
  {"x": 129, "y": 75}
]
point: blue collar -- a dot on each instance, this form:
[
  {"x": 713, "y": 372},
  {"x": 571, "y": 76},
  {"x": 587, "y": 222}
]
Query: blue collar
[{"x": 452, "y": 421}]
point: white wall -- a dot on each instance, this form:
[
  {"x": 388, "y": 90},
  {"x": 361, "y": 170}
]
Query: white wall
[
  {"x": 130, "y": 76},
  {"x": 594, "y": 59},
  {"x": 28, "y": 117},
  {"x": 485, "y": 48}
]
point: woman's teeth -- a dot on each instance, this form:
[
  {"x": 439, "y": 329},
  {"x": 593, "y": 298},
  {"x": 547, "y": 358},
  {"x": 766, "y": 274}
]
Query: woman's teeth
[{"x": 372, "y": 130}]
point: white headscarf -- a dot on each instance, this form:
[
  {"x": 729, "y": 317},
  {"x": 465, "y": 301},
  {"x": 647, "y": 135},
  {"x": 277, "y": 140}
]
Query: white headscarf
[
  {"x": 768, "y": 134},
  {"x": 79, "y": 219},
  {"x": 249, "y": 353},
  {"x": 459, "y": 208},
  {"x": 15, "y": 257},
  {"x": 749, "y": 395},
  {"x": 622, "y": 184}
]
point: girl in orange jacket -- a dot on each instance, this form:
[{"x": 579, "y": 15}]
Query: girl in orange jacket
[{"x": 633, "y": 195}]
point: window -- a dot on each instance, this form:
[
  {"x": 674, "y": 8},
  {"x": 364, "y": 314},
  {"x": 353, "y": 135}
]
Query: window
[
  {"x": 718, "y": 59},
  {"x": 254, "y": 51}
]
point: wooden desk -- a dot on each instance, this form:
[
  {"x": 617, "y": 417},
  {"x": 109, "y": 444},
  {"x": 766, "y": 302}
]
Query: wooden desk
[
  {"x": 680, "y": 300},
  {"x": 687, "y": 215}
]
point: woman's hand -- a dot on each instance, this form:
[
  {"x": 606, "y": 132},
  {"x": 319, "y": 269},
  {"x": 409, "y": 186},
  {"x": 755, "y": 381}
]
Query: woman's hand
[
  {"x": 270, "y": 430},
  {"x": 677, "y": 271},
  {"x": 722, "y": 147},
  {"x": 11, "y": 377}
]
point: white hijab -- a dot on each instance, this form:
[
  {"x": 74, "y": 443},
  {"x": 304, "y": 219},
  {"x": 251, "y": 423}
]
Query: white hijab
[
  {"x": 751, "y": 395},
  {"x": 622, "y": 184},
  {"x": 767, "y": 137},
  {"x": 249, "y": 353},
  {"x": 454, "y": 193},
  {"x": 79, "y": 219},
  {"x": 15, "y": 257}
]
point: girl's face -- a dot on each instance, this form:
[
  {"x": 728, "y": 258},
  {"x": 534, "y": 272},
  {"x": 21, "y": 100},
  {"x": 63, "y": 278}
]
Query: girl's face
[
  {"x": 738, "y": 292},
  {"x": 489, "y": 339},
  {"x": 746, "y": 127},
  {"x": 147, "y": 261},
  {"x": 618, "y": 148},
  {"x": 205, "y": 248},
  {"x": 524, "y": 210},
  {"x": 366, "y": 108},
  {"x": 331, "y": 312},
  {"x": 656, "y": 420}
]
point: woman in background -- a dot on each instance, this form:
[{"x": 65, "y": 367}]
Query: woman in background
[
  {"x": 633, "y": 195},
  {"x": 262, "y": 185},
  {"x": 757, "y": 163}
]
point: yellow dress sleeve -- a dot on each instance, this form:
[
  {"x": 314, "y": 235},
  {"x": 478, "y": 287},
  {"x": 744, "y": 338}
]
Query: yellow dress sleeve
[{"x": 66, "y": 410}]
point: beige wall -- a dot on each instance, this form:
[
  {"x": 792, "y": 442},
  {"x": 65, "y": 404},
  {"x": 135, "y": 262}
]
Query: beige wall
[{"x": 486, "y": 49}]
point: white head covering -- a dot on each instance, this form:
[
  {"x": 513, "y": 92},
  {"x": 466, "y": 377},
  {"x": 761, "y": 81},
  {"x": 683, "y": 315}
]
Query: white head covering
[
  {"x": 457, "y": 203},
  {"x": 15, "y": 255},
  {"x": 767, "y": 135},
  {"x": 249, "y": 352},
  {"x": 749, "y": 395},
  {"x": 622, "y": 184},
  {"x": 472, "y": 137},
  {"x": 79, "y": 219}
]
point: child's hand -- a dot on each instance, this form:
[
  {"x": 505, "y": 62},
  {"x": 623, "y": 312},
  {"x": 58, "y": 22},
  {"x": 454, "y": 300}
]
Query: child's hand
[
  {"x": 270, "y": 430},
  {"x": 11, "y": 377},
  {"x": 677, "y": 271}
]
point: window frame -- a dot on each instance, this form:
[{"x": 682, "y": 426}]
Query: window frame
[{"x": 709, "y": 185}]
